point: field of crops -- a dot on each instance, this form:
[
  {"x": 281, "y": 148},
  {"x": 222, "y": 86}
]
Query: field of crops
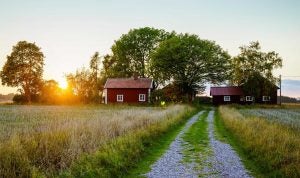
[
  {"x": 48, "y": 139},
  {"x": 269, "y": 137},
  {"x": 289, "y": 117}
]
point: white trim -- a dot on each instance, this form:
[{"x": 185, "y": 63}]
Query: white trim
[
  {"x": 120, "y": 98},
  {"x": 266, "y": 98},
  {"x": 249, "y": 98},
  {"x": 105, "y": 95},
  {"x": 227, "y": 98},
  {"x": 142, "y": 97}
]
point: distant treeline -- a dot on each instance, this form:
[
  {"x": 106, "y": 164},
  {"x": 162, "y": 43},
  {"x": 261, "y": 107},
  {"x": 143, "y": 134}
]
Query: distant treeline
[
  {"x": 287, "y": 99},
  {"x": 8, "y": 97}
]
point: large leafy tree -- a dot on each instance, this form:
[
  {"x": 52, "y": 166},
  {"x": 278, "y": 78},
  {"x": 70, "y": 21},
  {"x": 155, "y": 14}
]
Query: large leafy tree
[
  {"x": 252, "y": 62},
  {"x": 85, "y": 82},
  {"x": 24, "y": 68},
  {"x": 50, "y": 92},
  {"x": 252, "y": 69},
  {"x": 131, "y": 53},
  {"x": 94, "y": 76},
  {"x": 80, "y": 83},
  {"x": 188, "y": 62}
]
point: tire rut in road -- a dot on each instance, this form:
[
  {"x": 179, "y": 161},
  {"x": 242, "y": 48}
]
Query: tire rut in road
[
  {"x": 171, "y": 163},
  {"x": 224, "y": 161}
]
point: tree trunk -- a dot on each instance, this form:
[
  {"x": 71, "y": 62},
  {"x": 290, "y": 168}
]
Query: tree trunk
[{"x": 27, "y": 94}]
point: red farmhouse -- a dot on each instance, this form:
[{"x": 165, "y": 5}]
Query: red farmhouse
[{"x": 127, "y": 90}]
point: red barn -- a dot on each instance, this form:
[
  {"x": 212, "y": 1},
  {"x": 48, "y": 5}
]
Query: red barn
[
  {"x": 226, "y": 95},
  {"x": 235, "y": 94},
  {"x": 127, "y": 90}
]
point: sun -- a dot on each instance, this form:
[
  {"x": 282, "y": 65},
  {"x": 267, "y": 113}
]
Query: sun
[{"x": 63, "y": 84}]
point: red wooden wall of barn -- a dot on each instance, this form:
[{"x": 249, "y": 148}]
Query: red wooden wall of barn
[{"x": 130, "y": 95}]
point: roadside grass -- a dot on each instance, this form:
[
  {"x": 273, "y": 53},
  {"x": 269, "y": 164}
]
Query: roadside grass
[
  {"x": 269, "y": 149},
  {"x": 130, "y": 155},
  {"x": 196, "y": 138},
  {"x": 42, "y": 141},
  {"x": 224, "y": 135},
  {"x": 156, "y": 149}
]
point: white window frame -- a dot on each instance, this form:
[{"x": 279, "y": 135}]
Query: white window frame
[
  {"x": 227, "y": 98},
  {"x": 249, "y": 98},
  {"x": 266, "y": 98},
  {"x": 120, "y": 98},
  {"x": 141, "y": 97}
]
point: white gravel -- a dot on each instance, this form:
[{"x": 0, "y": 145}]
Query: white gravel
[
  {"x": 221, "y": 162},
  {"x": 171, "y": 164}
]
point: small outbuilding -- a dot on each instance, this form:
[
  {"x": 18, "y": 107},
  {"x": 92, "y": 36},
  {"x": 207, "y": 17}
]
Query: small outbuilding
[
  {"x": 236, "y": 94},
  {"x": 226, "y": 95},
  {"x": 127, "y": 90}
]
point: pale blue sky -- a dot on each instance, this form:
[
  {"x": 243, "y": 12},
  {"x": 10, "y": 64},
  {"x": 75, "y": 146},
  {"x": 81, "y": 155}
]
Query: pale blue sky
[{"x": 70, "y": 31}]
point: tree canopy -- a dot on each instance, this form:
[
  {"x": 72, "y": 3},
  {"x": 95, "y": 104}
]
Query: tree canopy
[
  {"x": 252, "y": 62},
  {"x": 131, "y": 53},
  {"x": 24, "y": 68},
  {"x": 189, "y": 62},
  {"x": 252, "y": 69}
]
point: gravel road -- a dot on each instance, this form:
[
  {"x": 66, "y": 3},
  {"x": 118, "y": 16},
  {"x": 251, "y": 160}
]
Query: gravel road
[
  {"x": 171, "y": 164},
  {"x": 221, "y": 162}
]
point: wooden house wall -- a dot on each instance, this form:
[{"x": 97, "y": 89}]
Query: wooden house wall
[{"x": 130, "y": 95}]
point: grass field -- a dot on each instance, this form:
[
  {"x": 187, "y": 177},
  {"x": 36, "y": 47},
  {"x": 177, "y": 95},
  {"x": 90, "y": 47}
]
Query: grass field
[
  {"x": 287, "y": 116},
  {"x": 269, "y": 138},
  {"x": 48, "y": 140}
]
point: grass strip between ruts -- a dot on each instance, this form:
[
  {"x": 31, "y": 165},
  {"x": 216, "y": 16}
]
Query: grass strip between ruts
[{"x": 196, "y": 138}]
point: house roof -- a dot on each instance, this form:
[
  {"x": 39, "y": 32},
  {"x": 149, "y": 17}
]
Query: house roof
[
  {"x": 128, "y": 83},
  {"x": 230, "y": 90}
]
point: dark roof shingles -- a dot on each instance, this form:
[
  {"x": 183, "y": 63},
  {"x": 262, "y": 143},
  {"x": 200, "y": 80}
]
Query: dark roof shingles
[{"x": 231, "y": 90}]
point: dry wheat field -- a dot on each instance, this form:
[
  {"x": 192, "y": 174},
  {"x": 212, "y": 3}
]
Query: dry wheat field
[{"x": 47, "y": 139}]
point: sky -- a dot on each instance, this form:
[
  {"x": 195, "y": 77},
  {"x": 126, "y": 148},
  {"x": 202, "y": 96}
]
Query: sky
[{"x": 69, "y": 32}]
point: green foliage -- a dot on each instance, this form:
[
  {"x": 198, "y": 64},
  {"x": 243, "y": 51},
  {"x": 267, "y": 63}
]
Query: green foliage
[
  {"x": 252, "y": 62},
  {"x": 197, "y": 139},
  {"x": 50, "y": 92},
  {"x": 95, "y": 78},
  {"x": 189, "y": 62},
  {"x": 259, "y": 86},
  {"x": 80, "y": 84},
  {"x": 24, "y": 68},
  {"x": 19, "y": 99},
  {"x": 85, "y": 84},
  {"x": 131, "y": 53}
]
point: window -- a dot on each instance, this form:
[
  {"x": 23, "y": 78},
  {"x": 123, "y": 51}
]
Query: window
[
  {"x": 249, "y": 98},
  {"x": 119, "y": 98},
  {"x": 226, "y": 98},
  {"x": 142, "y": 97},
  {"x": 266, "y": 98}
]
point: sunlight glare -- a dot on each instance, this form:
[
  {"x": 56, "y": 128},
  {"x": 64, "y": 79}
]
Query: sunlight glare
[{"x": 63, "y": 84}]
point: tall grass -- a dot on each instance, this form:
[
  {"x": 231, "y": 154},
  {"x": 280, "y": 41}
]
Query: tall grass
[
  {"x": 45, "y": 140},
  {"x": 288, "y": 117},
  {"x": 274, "y": 148}
]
